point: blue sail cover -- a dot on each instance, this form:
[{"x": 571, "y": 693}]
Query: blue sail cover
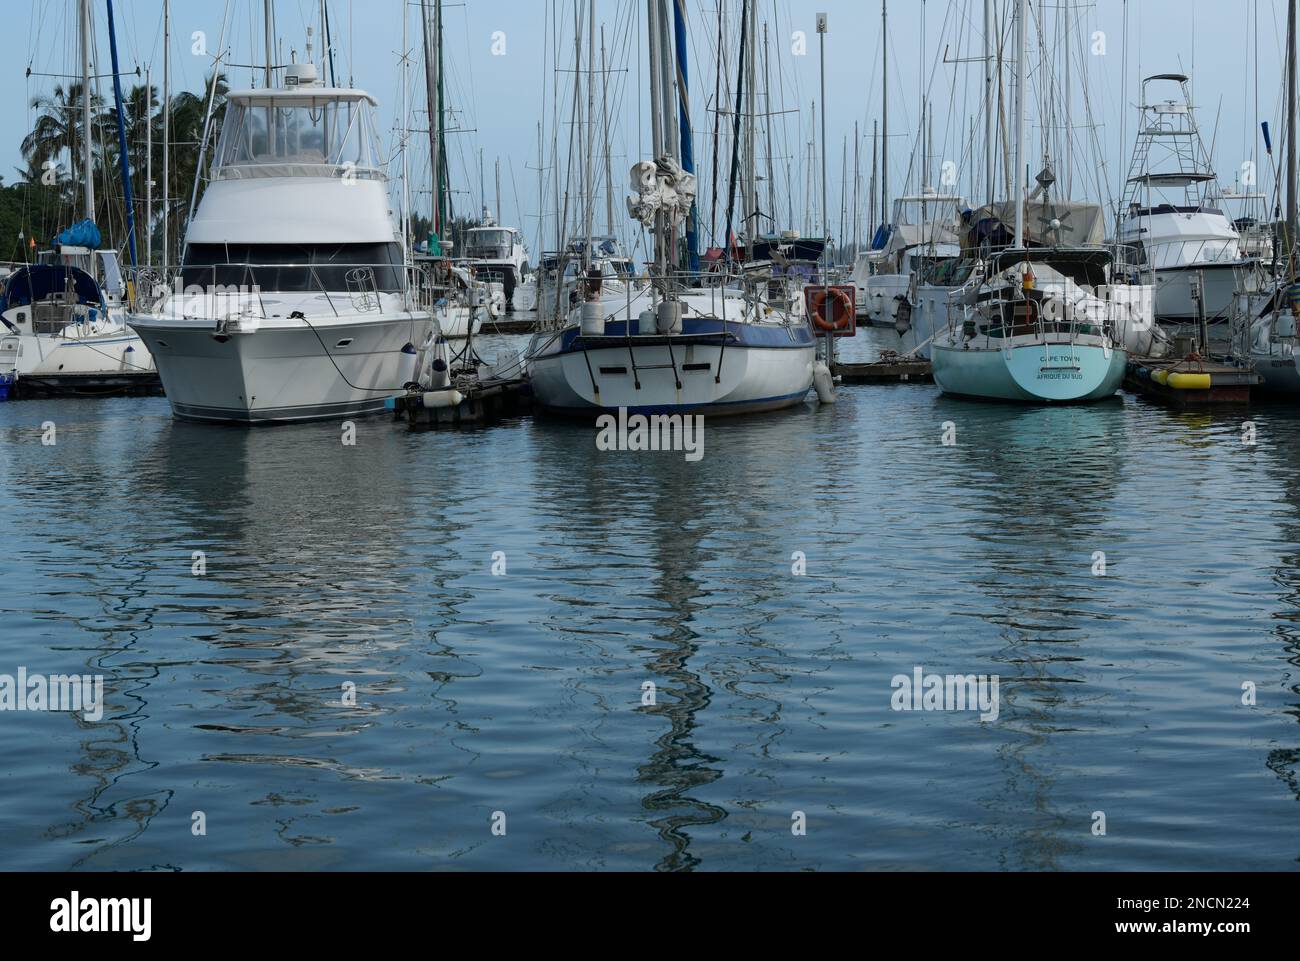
[
  {"x": 84, "y": 233},
  {"x": 30, "y": 284},
  {"x": 881, "y": 238}
]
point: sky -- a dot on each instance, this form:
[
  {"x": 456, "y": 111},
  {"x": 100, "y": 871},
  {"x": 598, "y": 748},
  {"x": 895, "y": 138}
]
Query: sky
[{"x": 501, "y": 56}]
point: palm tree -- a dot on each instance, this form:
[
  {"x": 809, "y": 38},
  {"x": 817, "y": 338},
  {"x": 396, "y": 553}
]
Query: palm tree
[
  {"x": 188, "y": 111},
  {"x": 59, "y": 128}
]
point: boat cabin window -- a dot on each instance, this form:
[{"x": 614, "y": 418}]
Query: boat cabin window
[
  {"x": 489, "y": 244},
  {"x": 277, "y": 137},
  {"x": 292, "y": 267}
]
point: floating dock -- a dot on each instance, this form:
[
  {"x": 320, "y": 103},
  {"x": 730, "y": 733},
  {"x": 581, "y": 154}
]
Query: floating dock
[
  {"x": 511, "y": 325},
  {"x": 115, "y": 384},
  {"x": 889, "y": 369},
  {"x": 1190, "y": 382},
  {"x": 476, "y": 405}
]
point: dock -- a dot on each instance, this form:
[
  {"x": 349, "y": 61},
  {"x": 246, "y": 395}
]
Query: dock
[
  {"x": 474, "y": 405},
  {"x": 890, "y": 368},
  {"x": 1191, "y": 381},
  {"x": 104, "y": 384},
  {"x": 511, "y": 325}
]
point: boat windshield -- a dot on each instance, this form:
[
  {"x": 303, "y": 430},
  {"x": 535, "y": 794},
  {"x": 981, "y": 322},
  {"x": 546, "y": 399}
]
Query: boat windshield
[
  {"x": 489, "y": 244},
  {"x": 294, "y": 267},
  {"x": 304, "y": 137}
]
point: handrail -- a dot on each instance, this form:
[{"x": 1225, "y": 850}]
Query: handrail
[{"x": 155, "y": 285}]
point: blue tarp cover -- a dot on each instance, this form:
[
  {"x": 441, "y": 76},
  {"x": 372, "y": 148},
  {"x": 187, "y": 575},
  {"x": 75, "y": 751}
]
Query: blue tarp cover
[
  {"x": 38, "y": 281},
  {"x": 84, "y": 233}
]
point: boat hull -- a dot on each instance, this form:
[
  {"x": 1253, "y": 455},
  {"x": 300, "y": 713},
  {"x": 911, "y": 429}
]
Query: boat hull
[
  {"x": 758, "y": 371},
  {"x": 283, "y": 373},
  {"x": 1174, "y": 300},
  {"x": 1039, "y": 373}
]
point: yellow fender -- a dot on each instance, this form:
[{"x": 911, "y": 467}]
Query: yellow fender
[
  {"x": 1159, "y": 375},
  {"x": 1182, "y": 381}
]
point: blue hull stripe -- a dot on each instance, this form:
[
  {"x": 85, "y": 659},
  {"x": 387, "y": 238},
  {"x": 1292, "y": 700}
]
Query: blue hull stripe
[{"x": 732, "y": 334}]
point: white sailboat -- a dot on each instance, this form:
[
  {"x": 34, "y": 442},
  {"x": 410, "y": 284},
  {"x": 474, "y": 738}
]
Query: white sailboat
[
  {"x": 666, "y": 347},
  {"x": 1267, "y": 319},
  {"x": 294, "y": 300},
  {"x": 925, "y": 228},
  {"x": 63, "y": 318}
]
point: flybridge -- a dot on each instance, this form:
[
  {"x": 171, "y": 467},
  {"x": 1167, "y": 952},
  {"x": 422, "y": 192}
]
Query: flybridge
[{"x": 299, "y": 130}]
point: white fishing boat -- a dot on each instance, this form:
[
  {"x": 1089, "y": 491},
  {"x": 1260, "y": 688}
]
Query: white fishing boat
[
  {"x": 294, "y": 300},
  {"x": 497, "y": 254},
  {"x": 1168, "y": 212}
]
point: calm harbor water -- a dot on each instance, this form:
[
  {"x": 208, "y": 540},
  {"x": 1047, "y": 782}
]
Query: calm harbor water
[{"x": 522, "y": 693}]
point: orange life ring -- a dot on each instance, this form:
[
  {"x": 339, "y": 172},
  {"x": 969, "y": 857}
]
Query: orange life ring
[{"x": 817, "y": 304}]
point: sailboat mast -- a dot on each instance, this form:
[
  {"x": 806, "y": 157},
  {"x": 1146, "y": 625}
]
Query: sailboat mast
[
  {"x": 990, "y": 132},
  {"x": 604, "y": 114},
  {"x": 857, "y": 182},
  {"x": 684, "y": 124},
  {"x": 1291, "y": 217},
  {"x": 666, "y": 104},
  {"x": 1068, "y": 96},
  {"x": 87, "y": 167},
  {"x": 591, "y": 121},
  {"x": 167, "y": 130},
  {"x": 767, "y": 126},
  {"x": 431, "y": 103},
  {"x": 1018, "y": 191},
  {"x": 405, "y": 128},
  {"x": 656, "y": 127},
  {"x": 148, "y": 164},
  {"x": 269, "y": 31},
  {"x": 751, "y": 185},
  {"x": 884, "y": 110}
]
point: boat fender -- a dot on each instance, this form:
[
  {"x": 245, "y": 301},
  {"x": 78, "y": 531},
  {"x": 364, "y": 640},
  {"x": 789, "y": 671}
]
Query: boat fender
[
  {"x": 1186, "y": 381},
  {"x": 902, "y": 315},
  {"x": 823, "y": 383},
  {"x": 645, "y": 323},
  {"x": 441, "y": 398},
  {"x": 438, "y": 376},
  {"x": 1160, "y": 375}
]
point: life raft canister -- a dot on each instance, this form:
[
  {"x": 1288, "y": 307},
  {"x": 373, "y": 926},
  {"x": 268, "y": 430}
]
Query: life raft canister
[{"x": 842, "y": 309}]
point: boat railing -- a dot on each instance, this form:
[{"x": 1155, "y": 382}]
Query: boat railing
[
  {"x": 347, "y": 172},
  {"x": 1004, "y": 317},
  {"x": 230, "y": 289}
]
